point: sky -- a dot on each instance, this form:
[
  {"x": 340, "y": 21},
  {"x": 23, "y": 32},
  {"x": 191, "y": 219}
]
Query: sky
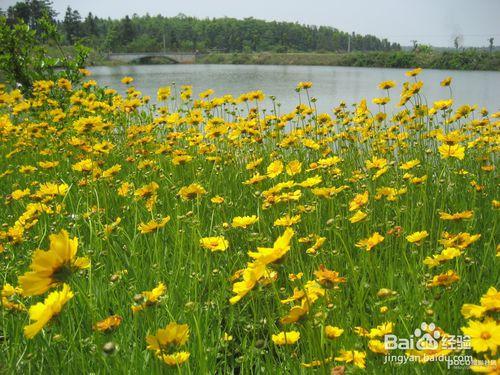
[{"x": 434, "y": 22}]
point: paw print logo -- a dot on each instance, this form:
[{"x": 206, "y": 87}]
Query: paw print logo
[{"x": 427, "y": 336}]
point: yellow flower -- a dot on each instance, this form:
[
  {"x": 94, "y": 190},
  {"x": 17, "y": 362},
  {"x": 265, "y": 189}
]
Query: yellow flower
[
  {"x": 386, "y": 85},
  {"x": 244, "y": 221},
  {"x": 192, "y": 191},
  {"x": 217, "y": 199},
  {"x": 145, "y": 191},
  {"x": 163, "y": 93},
  {"x": 108, "y": 324},
  {"x": 256, "y": 178},
  {"x": 254, "y": 164},
  {"x": 153, "y": 225},
  {"x": 149, "y": 298},
  {"x": 206, "y": 94},
  {"x": 214, "y": 243},
  {"x": 110, "y": 172},
  {"x": 328, "y": 192},
  {"x": 18, "y": 194},
  {"x": 376, "y": 163},
  {"x": 489, "y": 302},
  {"x": 455, "y": 151},
  {"x": 461, "y": 240},
  {"x": 174, "y": 359},
  {"x": 50, "y": 268},
  {"x": 472, "y": 311},
  {"x": 26, "y": 169},
  {"x": 485, "y": 336},
  {"x": 86, "y": 165},
  {"x": 417, "y": 236},
  {"x": 446, "y": 82},
  {"x": 447, "y": 254},
  {"x": 48, "y": 164},
  {"x": 370, "y": 242},
  {"x": 8, "y": 293},
  {"x": 377, "y": 346},
  {"x": 124, "y": 189},
  {"x": 127, "y": 80},
  {"x": 409, "y": 164},
  {"x": 414, "y": 72},
  {"x": 381, "y": 101},
  {"x": 444, "y": 279},
  {"x": 456, "y": 216},
  {"x": 181, "y": 159},
  {"x": 358, "y": 216},
  {"x": 172, "y": 334},
  {"x": 286, "y": 338},
  {"x": 304, "y": 85},
  {"x": 293, "y": 168},
  {"x": 275, "y": 168},
  {"x": 295, "y": 277},
  {"x": 310, "y": 182},
  {"x": 328, "y": 278},
  {"x": 352, "y": 356},
  {"x": 443, "y": 104},
  {"x": 358, "y": 201},
  {"x": 333, "y": 332},
  {"x": 268, "y": 255},
  {"x": 418, "y": 180},
  {"x": 166, "y": 342},
  {"x": 42, "y": 313},
  {"x": 287, "y": 221},
  {"x": 379, "y": 331},
  {"x": 251, "y": 275}
]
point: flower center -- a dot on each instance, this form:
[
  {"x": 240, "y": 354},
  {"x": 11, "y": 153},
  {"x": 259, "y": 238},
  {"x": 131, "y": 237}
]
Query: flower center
[
  {"x": 485, "y": 335},
  {"x": 62, "y": 273}
]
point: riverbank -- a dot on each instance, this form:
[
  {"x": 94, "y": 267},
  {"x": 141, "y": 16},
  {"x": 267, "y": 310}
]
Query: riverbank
[
  {"x": 463, "y": 60},
  {"x": 470, "y": 59}
]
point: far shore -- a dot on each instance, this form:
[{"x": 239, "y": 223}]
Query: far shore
[{"x": 461, "y": 60}]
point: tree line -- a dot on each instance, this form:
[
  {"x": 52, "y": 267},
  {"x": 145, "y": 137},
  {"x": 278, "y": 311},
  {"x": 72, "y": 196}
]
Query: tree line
[{"x": 184, "y": 33}]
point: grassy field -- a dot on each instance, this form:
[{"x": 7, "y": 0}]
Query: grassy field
[{"x": 201, "y": 235}]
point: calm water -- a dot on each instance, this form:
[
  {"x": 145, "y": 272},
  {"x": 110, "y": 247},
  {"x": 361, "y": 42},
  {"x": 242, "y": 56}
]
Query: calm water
[{"x": 331, "y": 84}]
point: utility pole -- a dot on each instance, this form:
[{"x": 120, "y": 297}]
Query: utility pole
[{"x": 348, "y": 43}]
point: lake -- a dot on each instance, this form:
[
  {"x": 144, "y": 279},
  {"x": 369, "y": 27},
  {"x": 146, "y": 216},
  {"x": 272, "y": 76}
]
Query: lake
[{"x": 331, "y": 84}]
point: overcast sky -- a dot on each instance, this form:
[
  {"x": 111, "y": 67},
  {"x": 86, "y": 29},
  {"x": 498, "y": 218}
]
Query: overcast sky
[{"x": 434, "y": 22}]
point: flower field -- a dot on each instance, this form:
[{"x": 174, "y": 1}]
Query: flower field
[{"x": 216, "y": 234}]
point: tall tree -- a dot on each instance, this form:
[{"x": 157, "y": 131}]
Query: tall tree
[
  {"x": 127, "y": 30},
  {"x": 90, "y": 25},
  {"x": 72, "y": 25}
]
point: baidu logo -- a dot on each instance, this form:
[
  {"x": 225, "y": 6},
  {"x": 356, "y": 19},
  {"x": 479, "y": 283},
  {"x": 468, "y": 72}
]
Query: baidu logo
[
  {"x": 424, "y": 338},
  {"x": 427, "y": 340}
]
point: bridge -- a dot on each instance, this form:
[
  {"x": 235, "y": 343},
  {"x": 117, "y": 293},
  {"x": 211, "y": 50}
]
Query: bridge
[{"x": 175, "y": 57}]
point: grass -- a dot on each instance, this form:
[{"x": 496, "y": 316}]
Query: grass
[{"x": 126, "y": 263}]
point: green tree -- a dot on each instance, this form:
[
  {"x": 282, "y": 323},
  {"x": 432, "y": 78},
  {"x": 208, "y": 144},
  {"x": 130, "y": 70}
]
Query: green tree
[
  {"x": 31, "y": 12},
  {"x": 24, "y": 60},
  {"x": 72, "y": 25}
]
